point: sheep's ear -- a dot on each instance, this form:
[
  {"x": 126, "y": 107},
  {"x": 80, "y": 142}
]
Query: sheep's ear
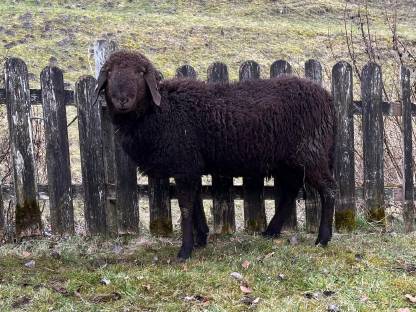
[
  {"x": 150, "y": 79},
  {"x": 101, "y": 81}
]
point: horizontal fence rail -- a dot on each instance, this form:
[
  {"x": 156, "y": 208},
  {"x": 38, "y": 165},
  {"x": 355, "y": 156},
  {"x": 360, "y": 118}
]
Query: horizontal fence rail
[{"x": 110, "y": 190}]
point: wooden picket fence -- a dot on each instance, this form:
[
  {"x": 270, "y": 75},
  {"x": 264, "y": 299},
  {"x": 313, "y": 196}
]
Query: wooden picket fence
[{"x": 110, "y": 190}]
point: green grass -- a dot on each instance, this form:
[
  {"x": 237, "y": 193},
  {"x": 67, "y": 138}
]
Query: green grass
[
  {"x": 172, "y": 33},
  {"x": 367, "y": 272}
]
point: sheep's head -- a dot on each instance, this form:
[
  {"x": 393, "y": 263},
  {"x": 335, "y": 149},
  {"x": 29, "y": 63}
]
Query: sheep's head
[{"x": 129, "y": 80}]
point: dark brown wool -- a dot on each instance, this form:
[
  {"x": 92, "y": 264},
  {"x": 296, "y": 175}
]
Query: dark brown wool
[{"x": 283, "y": 127}]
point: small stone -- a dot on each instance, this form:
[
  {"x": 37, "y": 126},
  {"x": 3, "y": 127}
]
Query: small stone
[
  {"x": 281, "y": 277},
  {"x": 293, "y": 240},
  {"x": 333, "y": 308},
  {"x": 30, "y": 264},
  {"x": 237, "y": 276},
  {"x": 105, "y": 281}
]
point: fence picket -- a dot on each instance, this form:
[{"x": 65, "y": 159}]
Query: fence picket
[
  {"x": 254, "y": 208},
  {"x": 279, "y": 68},
  {"x": 373, "y": 146},
  {"x": 28, "y": 215},
  {"x": 223, "y": 203},
  {"x": 408, "y": 204},
  {"x": 313, "y": 71},
  {"x": 92, "y": 158},
  {"x": 57, "y": 151},
  {"x": 342, "y": 92}
]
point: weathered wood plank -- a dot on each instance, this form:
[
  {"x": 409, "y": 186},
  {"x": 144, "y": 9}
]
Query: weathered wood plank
[
  {"x": 223, "y": 204},
  {"x": 391, "y": 193},
  {"x": 186, "y": 71},
  {"x": 28, "y": 215},
  {"x": 408, "y": 199},
  {"x": 373, "y": 149},
  {"x": 342, "y": 92},
  {"x": 313, "y": 71},
  {"x": 92, "y": 158},
  {"x": 103, "y": 48},
  {"x": 254, "y": 208},
  {"x": 57, "y": 151},
  {"x": 127, "y": 203},
  {"x": 159, "y": 206},
  {"x": 2, "y": 216},
  {"x": 280, "y": 67}
]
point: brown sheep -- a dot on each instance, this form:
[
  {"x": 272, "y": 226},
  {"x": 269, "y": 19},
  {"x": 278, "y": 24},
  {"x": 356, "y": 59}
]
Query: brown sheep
[{"x": 185, "y": 128}]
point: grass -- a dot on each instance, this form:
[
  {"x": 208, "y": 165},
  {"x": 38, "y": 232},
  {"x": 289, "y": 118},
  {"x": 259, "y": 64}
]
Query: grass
[{"x": 366, "y": 272}]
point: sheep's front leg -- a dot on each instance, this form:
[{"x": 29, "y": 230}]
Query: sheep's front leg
[{"x": 187, "y": 192}]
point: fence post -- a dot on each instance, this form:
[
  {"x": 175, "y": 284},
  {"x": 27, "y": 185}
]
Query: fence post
[
  {"x": 254, "y": 209},
  {"x": 102, "y": 50},
  {"x": 28, "y": 215},
  {"x": 92, "y": 158},
  {"x": 279, "y": 68},
  {"x": 223, "y": 203},
  {"x": 408, "y": 204},
  {"x": 342, "y": 93},
  {"x": 373, "y": 148},
  {"x": 57, "y": 151},
  {"x": 313, "y": 71}
]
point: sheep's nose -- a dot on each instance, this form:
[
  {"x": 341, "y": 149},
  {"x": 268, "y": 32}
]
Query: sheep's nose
[{"x": 123, "y": 101}]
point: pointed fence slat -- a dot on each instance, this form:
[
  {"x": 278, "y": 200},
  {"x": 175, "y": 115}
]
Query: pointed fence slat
[
  {"x": 28, "y": 215},
  {"x": 186, "y": 71},
  {"x": 408, "y": 203},
  {"x": 373, "y": 148},
  {"x": 2, "y": 217},
  {"x": 313, "y": 71},
  {"x": 279, "y": 68},
  {"x": 254, "y": 207},
  {"x": 92, "y": 158},
  {"x": 223, "y": 203},
  {"x": 57, "y": 151},
  {"x": 342, "y": 93},
  {"x": 103, "y": 48}
]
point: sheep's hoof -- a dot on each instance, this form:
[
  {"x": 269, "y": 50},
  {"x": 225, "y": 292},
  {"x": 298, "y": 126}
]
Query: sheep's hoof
[
  {"x": 201, "y": 241},
  {"x": 324, "y": 237},
  {"x": 270, "y": 234},
  {"x": 184, "y": 254}
]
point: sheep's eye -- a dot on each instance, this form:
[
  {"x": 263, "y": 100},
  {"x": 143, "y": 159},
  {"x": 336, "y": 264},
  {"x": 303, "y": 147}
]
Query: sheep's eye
[{"x": 141, "y": 74}]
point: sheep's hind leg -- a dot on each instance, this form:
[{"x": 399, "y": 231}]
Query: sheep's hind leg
[
  {"x": 201, "y": 229},
  {"x": 187, "y": 191},
  {"x": 290, "y": 184},
  {"x": 323, "y": 181}
]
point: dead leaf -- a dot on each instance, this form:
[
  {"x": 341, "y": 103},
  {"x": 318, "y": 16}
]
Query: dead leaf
[
  {"x": 364, "y": 298},
  {"x": 59, "y": 289},
  {"x": 245, "y": 264},
  {"x": 245, "y": 288},
  {"x": 114, "y": 296},
  {"x": 315, "y": 295},
  {"x": 147, "y": 287},
  {"x": 281, "y": 277},
  {"x": 403, "y": 310},
  {"x": 26, "y": 254},
  {"x": 197, "y": 298},
  {"x": 333, "y": 308},
  {"x": 279, "y": 241},
  {"x": 249, "y": 300},
  {"x": 237, "y": 276},
  {"x": 359, "y": 257},
  {"x": 411, "y": 298},
  {"x": 294, "y": 240},
  {"x": 269, "y": 255},
  {"x": 21, "y": 301},
  {"x": 328, "y": 293}
]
